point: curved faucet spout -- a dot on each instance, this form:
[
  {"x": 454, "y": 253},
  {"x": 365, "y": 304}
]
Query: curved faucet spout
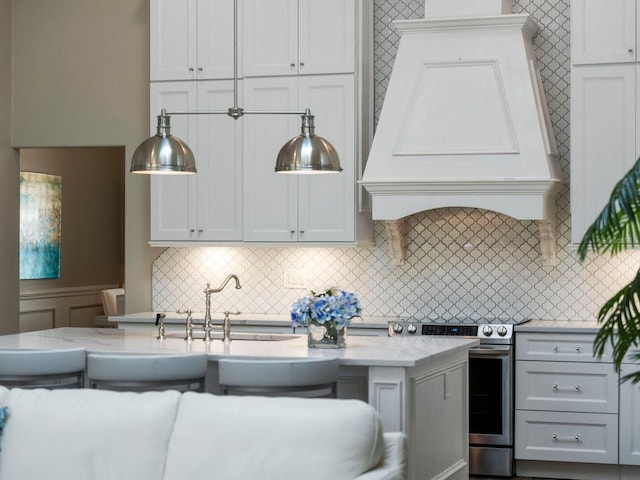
[{"x": 210, "y": 290}]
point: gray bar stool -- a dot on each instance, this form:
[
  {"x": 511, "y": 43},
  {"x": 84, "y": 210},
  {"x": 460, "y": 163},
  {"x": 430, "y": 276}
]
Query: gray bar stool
[
  {"x": 133, "y": 372},
  {"x": 42, "y": 368},
  {"x": 293, "y": 377}
]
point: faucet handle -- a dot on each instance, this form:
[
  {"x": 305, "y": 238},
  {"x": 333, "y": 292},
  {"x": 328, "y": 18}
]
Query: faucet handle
[{"x": 160, "y": 324}]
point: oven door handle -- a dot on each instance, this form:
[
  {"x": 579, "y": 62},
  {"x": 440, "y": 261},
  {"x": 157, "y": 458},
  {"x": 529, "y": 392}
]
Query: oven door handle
[{"x": 493, "y": 350}]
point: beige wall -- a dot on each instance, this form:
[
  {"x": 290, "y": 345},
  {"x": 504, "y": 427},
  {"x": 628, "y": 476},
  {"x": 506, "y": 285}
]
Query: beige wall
[
  {"x": 9, "y": 210},
  {"x": 80, "y": 76},
  {"x": 92, "y": 208}
]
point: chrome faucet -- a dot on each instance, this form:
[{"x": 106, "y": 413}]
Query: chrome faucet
[{"x": 208, "y": 321}]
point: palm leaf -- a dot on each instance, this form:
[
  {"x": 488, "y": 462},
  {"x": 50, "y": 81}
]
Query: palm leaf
[
  {"x": 617, "y": 227},
  {"x": 614, "y": 230},
  {"x": 620, "y": 322}
]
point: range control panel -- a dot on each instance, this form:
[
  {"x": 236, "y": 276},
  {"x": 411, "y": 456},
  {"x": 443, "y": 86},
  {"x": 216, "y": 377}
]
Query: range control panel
[
  {"x": 483, "y": 331},
  {"x": 456, "y": 330}
]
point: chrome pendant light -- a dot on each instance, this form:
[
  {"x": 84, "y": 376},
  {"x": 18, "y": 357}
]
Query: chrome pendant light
[
  {"x": 163, "y": 153},
  {"x": 308, "y": 153},
  {"x": 166, "y": 154}
]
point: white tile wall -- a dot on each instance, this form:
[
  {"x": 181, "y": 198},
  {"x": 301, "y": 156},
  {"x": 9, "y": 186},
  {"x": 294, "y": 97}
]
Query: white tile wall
[{"x": 462, "y": 263}]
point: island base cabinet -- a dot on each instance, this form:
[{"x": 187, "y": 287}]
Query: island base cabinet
[{"x": 437, "y": 435}]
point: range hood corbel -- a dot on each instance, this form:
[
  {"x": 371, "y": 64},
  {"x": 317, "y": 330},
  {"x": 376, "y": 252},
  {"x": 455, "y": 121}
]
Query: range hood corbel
[{"x": 465, "y": 123}]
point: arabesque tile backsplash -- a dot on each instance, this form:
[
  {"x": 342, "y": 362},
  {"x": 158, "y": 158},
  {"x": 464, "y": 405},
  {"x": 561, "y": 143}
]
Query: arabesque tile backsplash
[{"x": 461, "y": 263}]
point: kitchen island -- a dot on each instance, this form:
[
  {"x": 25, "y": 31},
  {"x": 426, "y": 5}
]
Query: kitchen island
[{"x": 417, "y": 384}]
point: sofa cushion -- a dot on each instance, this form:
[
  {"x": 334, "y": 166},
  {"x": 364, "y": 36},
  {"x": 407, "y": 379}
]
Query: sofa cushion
[
  {"x": 86, "y": 434},
  {"x": 272, "y": 438}
]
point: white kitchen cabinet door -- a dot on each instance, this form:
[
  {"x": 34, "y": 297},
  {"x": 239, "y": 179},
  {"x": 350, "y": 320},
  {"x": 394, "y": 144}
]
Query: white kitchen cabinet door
[
  {"x": 219, "y": 164},
  {"x": 270, "y": 37},
  {"x": 629, "y": 420},
  {"x": 215, "y": 40},
  {"x": 303, "y": 208},
  {"x": 291, "y": 37},
  {"x": 206, "y": 206},
  {"x": 326, "y": 36},
  {"x": 327, "y": 202},
  {"x": 191, "y": 39},
  {"x": 603, "y": 137},
  {"x": 603, "y": 31},
  {"x": 270, "y": 199},
  {"x": 174, "y": 197}
]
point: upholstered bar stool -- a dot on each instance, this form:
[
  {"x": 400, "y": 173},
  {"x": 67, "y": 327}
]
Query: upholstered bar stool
[
  {"x": 133, "y": 372},
  {"x": 291, "y": 377},
  {"x": 43, "y": 368}
]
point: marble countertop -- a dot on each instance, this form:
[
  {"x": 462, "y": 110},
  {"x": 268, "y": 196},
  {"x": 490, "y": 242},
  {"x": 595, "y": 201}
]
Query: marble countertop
[
  {"x": 253, "y": 319},
  {"x": 559, "y": 326},
  {"x": 398, "y": 351}
]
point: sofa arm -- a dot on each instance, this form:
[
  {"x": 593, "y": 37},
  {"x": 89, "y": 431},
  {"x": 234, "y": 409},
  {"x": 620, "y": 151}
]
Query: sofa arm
[{"x": 393, "y": 465}]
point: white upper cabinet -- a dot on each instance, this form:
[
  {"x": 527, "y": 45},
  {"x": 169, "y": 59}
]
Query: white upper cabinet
[
  {"x": 292, "y": 37},
  {"x": 603, "y": 138},
  {"x": 603, "y": 31},
  {"x": 174, "y": 197},
  {"x": 206, "y": 206},
  {"x": 236, "y": 196},
  {"x": 299, "y": 208},
  {"x": 604, "y": 104},
  {"x": 191, "y": 39}
]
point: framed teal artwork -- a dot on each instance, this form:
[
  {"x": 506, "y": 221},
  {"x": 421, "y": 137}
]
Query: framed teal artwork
[{"x": 40, "y": 225}]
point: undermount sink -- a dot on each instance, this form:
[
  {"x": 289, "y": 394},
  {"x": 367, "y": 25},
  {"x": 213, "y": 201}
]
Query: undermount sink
[{"x": 240, "y": 336}]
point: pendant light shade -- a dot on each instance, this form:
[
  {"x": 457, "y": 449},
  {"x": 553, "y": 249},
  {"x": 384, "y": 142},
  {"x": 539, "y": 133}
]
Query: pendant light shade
[
  {"x": 308, "y": 153},
  {"x": 163, "y": 153}
]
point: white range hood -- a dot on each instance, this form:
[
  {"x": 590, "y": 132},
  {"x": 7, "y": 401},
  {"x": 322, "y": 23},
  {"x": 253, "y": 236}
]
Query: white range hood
[{"x": 464, "y": 122}]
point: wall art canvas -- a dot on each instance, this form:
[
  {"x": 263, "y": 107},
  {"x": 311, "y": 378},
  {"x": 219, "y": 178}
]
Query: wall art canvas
[{"x": 40, "y": 225}]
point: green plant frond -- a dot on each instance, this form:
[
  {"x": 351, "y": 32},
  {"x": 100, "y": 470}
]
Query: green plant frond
[
  {"x": 620, "y": 322},
  {"x": 617, "y": 227}
]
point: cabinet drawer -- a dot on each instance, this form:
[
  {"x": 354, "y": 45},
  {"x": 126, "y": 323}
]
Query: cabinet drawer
[
  {"x": 565, "y": 347},
  {"x": 566, "y": 387},
  {"x": 567, "y": 437}
]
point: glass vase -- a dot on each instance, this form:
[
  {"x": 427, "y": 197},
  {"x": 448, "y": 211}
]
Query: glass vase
[{"x": 326, "y": 335}]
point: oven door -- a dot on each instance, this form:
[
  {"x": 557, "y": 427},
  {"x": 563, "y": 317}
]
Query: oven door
[{"x": 491, "y": 395}]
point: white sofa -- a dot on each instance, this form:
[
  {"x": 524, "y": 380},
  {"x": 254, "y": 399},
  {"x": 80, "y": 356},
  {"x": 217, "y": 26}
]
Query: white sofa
[{"x": 89, "y": 434}]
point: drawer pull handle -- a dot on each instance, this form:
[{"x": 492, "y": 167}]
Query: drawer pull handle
[
  {"x": 558, "y": 438},
  {"x": 557, "y": 350},
  {"x": 577, "y": 388}
]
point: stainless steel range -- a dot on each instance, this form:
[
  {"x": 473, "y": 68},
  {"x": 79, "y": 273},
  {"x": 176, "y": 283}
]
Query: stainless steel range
[{"x": 491, "y": 390}]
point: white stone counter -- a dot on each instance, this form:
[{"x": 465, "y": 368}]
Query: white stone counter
[
  {"x": 559, "y": 326},
  {"x": 398, "y": 351}
]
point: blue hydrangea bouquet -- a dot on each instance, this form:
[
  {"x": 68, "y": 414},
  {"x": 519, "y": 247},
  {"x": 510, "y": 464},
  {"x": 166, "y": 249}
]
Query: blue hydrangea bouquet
[{"x": 326, "y": 316}]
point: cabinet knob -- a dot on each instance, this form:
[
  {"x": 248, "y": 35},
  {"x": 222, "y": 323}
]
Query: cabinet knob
[
  {"x": 631, "y": 51},
  {"x": 191, "y": 69},
  {"x": 301, "y": 64},
  {"x": 200, "y": 232},
  {"x": 292, "y": 233},
  {"x": 200, "y": 69},
  {"x": 301, "y": 232},
  {"x": 292, "y": 65},
  {"x": 192, "y": 231}
]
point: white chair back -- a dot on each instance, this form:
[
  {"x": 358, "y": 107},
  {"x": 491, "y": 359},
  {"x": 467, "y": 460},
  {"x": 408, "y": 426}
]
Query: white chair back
[
  {"x": 42, "y": 368},
  {"x": 291, "y": 377},
  {"x": 132, "y": 372}
]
